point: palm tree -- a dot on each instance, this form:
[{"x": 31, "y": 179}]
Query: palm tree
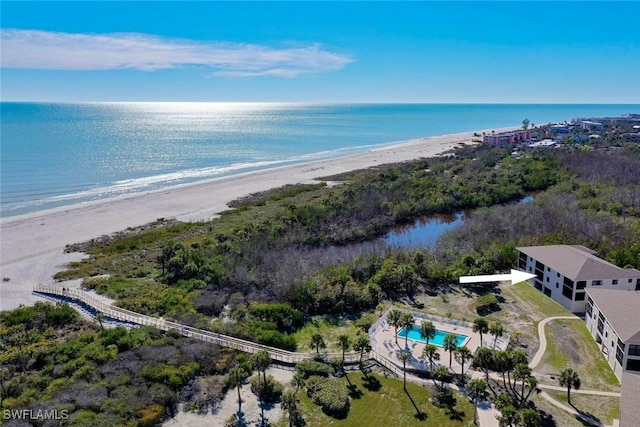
[
  {"x": 569, "y": 379},
  {"x": 484, "y": 360},
  {"x": 450, "y": 345},
  {"x": 431, "y": 352},
  {"x": 297, "y": 381},
  {"x": 290, "y": 404},
  {"x": 406, "y": 321},
  {"x": 260, "y": 361},
  {"x": 318, "y": 342},
  {"x": 362, "y": 345},
  {"x": 497, "y": 330},
  {"x": 393, "y": 317},
  {"x": 427, "y": 331},
  {"x": 236, "y": 377},
  {"x": 477, "y": 390},
  {"x": 404, "y": 357},
  {"x": 464, "y": 354},
  {"x": 532, "y": 383},
  {"x": 514, "y": 358},
  {"x": 344, "y": 342},
  {"x": 529, "y": 417},
  {"x": 521, "y": 373},
  {"x": 441, "y": 373},
  {"x": 480, "y": 326},
  {"x": 100, "y": 318}
]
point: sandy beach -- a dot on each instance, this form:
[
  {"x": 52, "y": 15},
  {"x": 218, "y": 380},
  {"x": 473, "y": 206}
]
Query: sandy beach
[{"x": 33, "y": 244}]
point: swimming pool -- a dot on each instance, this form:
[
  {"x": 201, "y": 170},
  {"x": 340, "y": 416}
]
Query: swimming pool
[{"x": 414, "y": 334}]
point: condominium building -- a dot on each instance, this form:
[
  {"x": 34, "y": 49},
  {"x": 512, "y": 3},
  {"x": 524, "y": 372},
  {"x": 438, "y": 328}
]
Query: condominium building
[
  {"x": 506, "y": 138},
  {"x": 613, "y": 318},
  {"x": 564, "y": 272}
]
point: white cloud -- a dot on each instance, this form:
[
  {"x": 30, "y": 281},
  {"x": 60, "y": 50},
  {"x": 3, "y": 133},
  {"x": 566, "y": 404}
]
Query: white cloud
[{"x": 45, "y": 50}]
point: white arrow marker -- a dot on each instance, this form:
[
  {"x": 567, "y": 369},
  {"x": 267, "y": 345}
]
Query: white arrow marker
[{"x": 514, "y": 277}]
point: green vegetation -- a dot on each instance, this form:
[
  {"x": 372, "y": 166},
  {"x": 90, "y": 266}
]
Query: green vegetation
[
  {"x": 540, "y": 304},
  {"x": 279, "y": 269},
  {"x": 53, "y": 359},
  {"x": 569, "y": 344},
  {"x": 605, "y": 408},
  {"x": 377, "y": 400}
]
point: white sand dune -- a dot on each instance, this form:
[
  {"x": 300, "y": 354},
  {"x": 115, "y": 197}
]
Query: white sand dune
[{"x": 33, "y": 244}]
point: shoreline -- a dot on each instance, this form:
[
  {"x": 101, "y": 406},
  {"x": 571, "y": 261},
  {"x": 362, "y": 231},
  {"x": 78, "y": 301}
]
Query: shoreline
[{"x": 32, "y": 245}]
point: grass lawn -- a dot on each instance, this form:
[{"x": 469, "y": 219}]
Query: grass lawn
[
  {"x": 537, "y": 303},
  {"x": 570, "y": 345},
  {"x": 383, "y": 402},
  {"x": 329, "y": 327},
  {"x": 604, "y": 408}
]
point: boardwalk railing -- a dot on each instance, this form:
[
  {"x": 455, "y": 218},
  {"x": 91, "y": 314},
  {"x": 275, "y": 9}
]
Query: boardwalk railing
[{"x": 122, "y": 314}]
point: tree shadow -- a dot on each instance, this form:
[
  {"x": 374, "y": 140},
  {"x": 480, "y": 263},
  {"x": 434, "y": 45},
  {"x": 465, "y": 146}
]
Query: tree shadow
[
  {"x": 419, "y": 415},
  {"x": 371, "y": 383},
  {"x": 354, "y": 391},
  {"x": 586, "y": 418}
]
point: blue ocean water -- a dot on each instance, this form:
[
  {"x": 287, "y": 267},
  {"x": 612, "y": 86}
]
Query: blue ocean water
[{"x": 61, "y": 154}]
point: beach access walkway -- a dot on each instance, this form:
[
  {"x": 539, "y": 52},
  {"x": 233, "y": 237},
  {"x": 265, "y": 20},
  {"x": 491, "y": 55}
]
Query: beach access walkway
[
  {"x": 97, "y": 304},
  {"x": 94, "y": 304}
]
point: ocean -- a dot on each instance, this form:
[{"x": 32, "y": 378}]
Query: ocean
[{"x": 59, "y": 154}]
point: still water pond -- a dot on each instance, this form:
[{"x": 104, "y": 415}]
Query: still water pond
[{"x": 426, "y": 231}]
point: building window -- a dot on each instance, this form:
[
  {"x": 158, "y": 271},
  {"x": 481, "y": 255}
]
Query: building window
[
  {"x": 630, "y": 280},
  {"x": 557, "y": 274},
  {"x": 634, "y": 350},
  {"x": 589, "y": 308},
  {"x": 620, "y": 355},
  {"x": 596, "y": 283},
  {"x": 547, "y": 279},
  {"x": 568, "y": 282},
  {"x": 581, "y": 284},
  {"x": 614, "y": 282},
  {"x": 633, "y": 365},
  {"x": 567, "y": 292},
  {"x": 620, "y": 344},
  {"x": 580, "y": 296},
  {"x": 557, "y": 285}
]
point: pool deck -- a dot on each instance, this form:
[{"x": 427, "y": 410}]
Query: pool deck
[{"x": 383, "y": 341}]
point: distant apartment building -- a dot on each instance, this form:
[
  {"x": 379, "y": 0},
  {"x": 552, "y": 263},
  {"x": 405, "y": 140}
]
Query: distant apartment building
[
  {"x": 613, "y": 318},
  {"x": 591, "y": 125},
  {"x": 564, "y": 272},
  {"x": 506, "y": 138}
]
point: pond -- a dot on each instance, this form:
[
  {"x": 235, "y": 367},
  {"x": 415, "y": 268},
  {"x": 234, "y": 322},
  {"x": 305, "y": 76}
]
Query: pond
[{"x": 426, "y": 231}]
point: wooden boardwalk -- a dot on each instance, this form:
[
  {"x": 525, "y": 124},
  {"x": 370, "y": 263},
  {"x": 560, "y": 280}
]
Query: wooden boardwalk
[{"x": 283, "y": 356}]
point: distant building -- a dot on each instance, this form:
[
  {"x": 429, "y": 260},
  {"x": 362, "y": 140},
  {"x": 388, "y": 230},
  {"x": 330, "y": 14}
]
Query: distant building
[
  {"x": 613, "y": 318},
  {"x": 632, "y": 136},
  {"x": 591, "y": 125},
  {"x": 506, "y": 138},
  {"x": 563, "y": 272},
  {"x": 560, "y": 128}
]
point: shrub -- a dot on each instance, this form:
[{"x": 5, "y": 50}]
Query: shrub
[
  {"x": 313, "y": 384},
  {"x": 333, "y": 397},
  {"x": 310, "y": 368},
  {"x": 268, "y": 393},
  {"x": 486, "y": 304}
]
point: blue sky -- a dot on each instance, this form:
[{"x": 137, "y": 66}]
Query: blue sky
[{"x": 494, "y": 52}]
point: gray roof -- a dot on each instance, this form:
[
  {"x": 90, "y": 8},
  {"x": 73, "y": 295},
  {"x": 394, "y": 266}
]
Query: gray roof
[
  {"x": 578, "y": 263},
  {"x": 629, "y": 408},
  {"x": 621, "y": 309}
]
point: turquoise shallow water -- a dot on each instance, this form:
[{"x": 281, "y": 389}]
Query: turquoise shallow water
[{"x": 61, "y": 154}]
